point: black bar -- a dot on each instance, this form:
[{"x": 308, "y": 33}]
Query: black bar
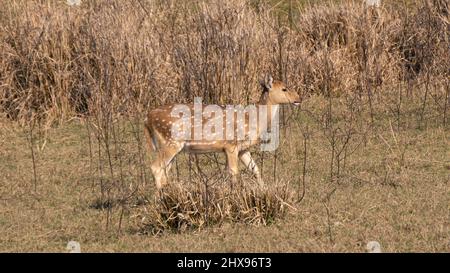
[{"x": 228, "y": 262}]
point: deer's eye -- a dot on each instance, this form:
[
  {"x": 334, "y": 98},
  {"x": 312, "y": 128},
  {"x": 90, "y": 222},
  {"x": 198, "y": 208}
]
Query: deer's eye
[{"x": 284, "y": 89}]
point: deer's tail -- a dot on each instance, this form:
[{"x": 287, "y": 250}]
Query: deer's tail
[{"x": 152, "y": 146}]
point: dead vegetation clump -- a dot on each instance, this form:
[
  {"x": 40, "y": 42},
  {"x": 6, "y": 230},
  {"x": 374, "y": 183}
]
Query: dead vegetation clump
[
  {"x": 57, "y": 61},
  {"x": 191, "y": 207}
]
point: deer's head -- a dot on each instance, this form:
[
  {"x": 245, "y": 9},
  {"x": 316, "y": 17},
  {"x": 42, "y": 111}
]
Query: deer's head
[{"x": 276, "y": 92}]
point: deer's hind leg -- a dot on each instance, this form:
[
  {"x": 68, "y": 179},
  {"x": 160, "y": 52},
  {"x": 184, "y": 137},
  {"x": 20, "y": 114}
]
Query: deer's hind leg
[
  {"x": 161, "y": 165},
  {"x": 248, "y": 161}
]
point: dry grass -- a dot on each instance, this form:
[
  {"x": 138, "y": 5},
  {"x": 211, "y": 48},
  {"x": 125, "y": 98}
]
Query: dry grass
[
  {"x": 179, "y": 208},
  {"x": 59, "y": 61},
  {"x": 402, "y": 202},
  {"x": 367, "y": 153}
]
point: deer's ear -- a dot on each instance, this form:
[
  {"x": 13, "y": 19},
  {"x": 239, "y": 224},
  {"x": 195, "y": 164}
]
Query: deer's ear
[{"x": 267, "y": 83}]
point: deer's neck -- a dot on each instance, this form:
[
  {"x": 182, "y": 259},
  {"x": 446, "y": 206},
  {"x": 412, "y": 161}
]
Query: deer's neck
[
  {"x": 272, "y": 109},
  {"x": 265, "y": 100}
]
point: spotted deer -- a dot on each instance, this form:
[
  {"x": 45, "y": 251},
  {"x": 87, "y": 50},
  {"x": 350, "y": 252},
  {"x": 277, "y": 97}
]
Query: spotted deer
[{"x": 161, "y": 121}]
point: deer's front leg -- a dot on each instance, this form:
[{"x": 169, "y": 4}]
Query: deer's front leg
[
  {"x": 248, "y": 161},
  {"x": 232, "y": 162}
]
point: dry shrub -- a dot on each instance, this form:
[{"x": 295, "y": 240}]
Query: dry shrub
[
  {"x": 186, "y": 207},
  {"x": 58, "y": 61},
  {"x": 217, "y": 52},
  {"x": 345, "y": 48}
]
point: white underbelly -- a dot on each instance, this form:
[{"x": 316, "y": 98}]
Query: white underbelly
[{"x": 199, "y": 148}]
